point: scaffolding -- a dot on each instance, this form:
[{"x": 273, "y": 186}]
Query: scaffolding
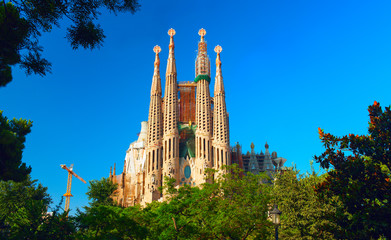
[{"x": 187, "y": 103}]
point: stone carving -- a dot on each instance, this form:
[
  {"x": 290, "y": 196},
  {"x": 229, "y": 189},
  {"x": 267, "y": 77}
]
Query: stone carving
[
  {"x": 169, "y": 167},
  {"x": 205, "y": 165},
  {"x": 153, "y": 179}
]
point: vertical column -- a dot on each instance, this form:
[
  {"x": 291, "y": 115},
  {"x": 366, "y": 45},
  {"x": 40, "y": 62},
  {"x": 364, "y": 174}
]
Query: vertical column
[
  {"x": 220, "y": 118},
  {"x": 203, "y": 110},
  {"x": 171, "y": 134},
  {"x": 155, "y": 134}
]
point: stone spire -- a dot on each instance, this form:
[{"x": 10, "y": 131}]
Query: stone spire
[
  {"x": 171, "y": 114},
  {"x": 171, "y": 66},
  {"x": 220, "y": 119},
  {"x": 253, "y": 163},
  {"x": 219, "y": 85},
  {"x": 202, "y": 62},
  {"x": 203, "y": 133},
  {"x": 156, "y": 88},
  {"x": 267, "y": 161},
  {"x": 155, "y": 134}
]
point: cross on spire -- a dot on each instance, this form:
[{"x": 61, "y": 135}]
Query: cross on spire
[
  {"x": 157, "y": 49},
  {"x": 202, "y": 33},
  {"x": 171, "y": 32},
  {"x": 218, "y": 49}
]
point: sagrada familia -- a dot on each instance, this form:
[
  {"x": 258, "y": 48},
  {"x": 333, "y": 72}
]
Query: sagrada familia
[{"x": 187, "y": 132}]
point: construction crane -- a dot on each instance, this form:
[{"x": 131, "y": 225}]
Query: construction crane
[{"x": 68, "y": 194}]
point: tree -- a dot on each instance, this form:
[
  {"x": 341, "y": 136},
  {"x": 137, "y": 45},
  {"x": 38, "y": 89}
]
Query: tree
[
  {"x": 22, "y": 22},
  {"x": 23, "y": 213},
  {"x": 111, "y": 222},
  {"x": 305, "y": 215},
  {"x": 104, "y": 219},
  {"x": 230, "y": 207},
  {"x": 12, "y": 137},
  {"x": 100, "y": 192},
  {"x": 360, "y": 177}
]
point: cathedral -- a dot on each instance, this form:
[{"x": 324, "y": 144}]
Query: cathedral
[{"x": 187, "y": 132}]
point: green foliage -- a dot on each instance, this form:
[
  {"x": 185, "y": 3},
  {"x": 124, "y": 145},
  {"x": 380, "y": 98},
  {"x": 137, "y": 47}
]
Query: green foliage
[
  {"x": 305, "y": 215},
  {"x": 228, "y": 207},
  {"x": 22, "y": 23},
  {"x": 13, "y": 32},
  {"x": 103, "y": 219},
  {"x": 100, "y": 192},
  {"x": 23, "y": 213},
  {"x": 110, "y": 222},
  {"x": 12, "y": 137},
  {"x": 360, "y": 177}
]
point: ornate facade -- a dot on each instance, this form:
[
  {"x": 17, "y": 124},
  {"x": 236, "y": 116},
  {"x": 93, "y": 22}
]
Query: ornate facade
[
  {"x": 187, "y": 131},
  {"x": 258, "y": 162}
]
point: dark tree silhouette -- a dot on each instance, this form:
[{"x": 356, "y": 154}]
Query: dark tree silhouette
[
  {"x": 23, "y": 21},
  {"x": 360, "y": 177}
]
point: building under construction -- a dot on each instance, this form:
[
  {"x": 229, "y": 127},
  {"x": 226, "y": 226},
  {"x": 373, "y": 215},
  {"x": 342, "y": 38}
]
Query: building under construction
[{"x": 187, "y": 131}]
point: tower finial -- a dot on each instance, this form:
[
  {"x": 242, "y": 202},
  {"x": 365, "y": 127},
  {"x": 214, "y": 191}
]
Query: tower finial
[
  {"x": 202, "y": 62},
  {"x": 157, "y": 50},
  {"x": 218, "y": 50},
  {"x": 171, "y": 67},
  {"x": 171, "y": 32},
  {"x": 156, "y": 85},
  {"x": 202, "y": 33}
]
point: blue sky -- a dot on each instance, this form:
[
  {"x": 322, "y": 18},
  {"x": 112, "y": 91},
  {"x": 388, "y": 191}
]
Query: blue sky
[{"x": 289, "y": 67}]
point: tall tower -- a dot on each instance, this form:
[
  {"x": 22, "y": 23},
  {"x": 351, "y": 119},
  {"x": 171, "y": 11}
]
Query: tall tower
[
  {"x": 253, "y": 165},
  {"x": 154, "y": 159},
  {"x": 170, "y": 134},
  {"x": 221, "y": 149},
  {"x": 267, "y": 162},
  {"x": 203, "y": 133}
]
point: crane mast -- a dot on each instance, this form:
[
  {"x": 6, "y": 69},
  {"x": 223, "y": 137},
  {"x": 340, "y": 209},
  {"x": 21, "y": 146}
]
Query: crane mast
[{"x": 68, "y": 194}]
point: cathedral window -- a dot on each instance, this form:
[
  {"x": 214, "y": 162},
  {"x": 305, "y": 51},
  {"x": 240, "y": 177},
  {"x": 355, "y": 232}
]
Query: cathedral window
[
  {"x": 222, "y": 157},
  {"x": 169, "y": 148},
  {"x": 161, "y": 158},
  {"x": 165, "y": 148},
  {"x": 218, "y": 160},
  {"x": 204, "y": 149},
  {"x": 157, "y": 159},
  {"x": 208, "y": 149},
  {"x": 149, "y": 162},
  {"x": 200, "y": 145},
  {"x": 211, "y": 157},
  {"x": 153, "y": 160},
  {"x": 187, "y": 171}
]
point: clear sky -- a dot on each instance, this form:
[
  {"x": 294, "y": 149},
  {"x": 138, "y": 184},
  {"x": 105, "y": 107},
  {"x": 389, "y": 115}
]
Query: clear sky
[{"x": 289, "y": 67}]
